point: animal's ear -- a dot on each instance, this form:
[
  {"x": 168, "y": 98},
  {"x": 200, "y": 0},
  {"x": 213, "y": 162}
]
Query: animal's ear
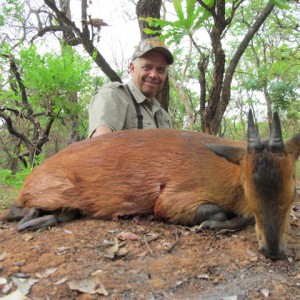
[
  {"x": 231, "y": 153},
  {"x": 292, "y": 145}
]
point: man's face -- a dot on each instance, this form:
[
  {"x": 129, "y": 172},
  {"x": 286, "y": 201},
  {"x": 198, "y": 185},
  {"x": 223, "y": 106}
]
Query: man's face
[{"x": 149, "y": 73}]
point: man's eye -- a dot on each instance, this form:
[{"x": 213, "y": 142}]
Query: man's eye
[{"x": 161, "y": 71}]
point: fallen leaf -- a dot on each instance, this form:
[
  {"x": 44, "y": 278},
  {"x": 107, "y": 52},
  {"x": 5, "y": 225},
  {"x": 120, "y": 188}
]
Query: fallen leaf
[
  {"x": 167, "y": 244},
  {"x": 24, "y": 285},
  {"x": 265, "y": 292},
  {"x": 20, "y": 263},
  {"x": 108, "y": 243},
  {"x": 3, "y": 256},
  {"x": 254, "y": 259},
  {"x": 128, "y": 236},
  {"x": 251, "y": 253},
  {"x": 110, "y": 256},
  {"x": 61, "y": 281},
  {"x": 91, "y": 285},
  {"x": 142, "y": 254},
  {"x": 279, "y": 288},
  {"x": 203, "y": 276},
  {"x": 123, "y": 251},
  {"x": 6, "y": 288},
  {"x": 62, "y": 250},
  {"x": 27, "y": 237},
  {"x": 16, "y": 295},
  {"x": 97, "y": 272},
  {"x": 113, "y": 249},
  {"x": 20, "y": 275},
  {"x": 3, "y": 280},
  {"x": 178, "y": 283},
  {"x": 47, "y": 273}
]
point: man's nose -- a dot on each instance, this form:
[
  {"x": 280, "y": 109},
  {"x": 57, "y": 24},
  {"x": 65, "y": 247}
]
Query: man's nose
[{"x": 153, "y": 73}]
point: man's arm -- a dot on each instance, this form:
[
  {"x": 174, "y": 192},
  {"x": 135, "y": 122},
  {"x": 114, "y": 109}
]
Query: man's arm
[{"x": 101, "y": 130}]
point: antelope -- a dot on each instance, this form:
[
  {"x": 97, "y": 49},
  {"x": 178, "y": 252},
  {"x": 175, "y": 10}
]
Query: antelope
[{"x": 183, "y": 177}]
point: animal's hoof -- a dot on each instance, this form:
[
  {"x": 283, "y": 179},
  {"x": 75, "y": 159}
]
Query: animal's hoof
[
  {"x": 208, "y": 224},
  {"x": 38, "y": 223}
]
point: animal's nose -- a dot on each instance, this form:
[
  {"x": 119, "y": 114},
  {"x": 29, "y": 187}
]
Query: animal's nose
[{"x": 272, "y": 254}]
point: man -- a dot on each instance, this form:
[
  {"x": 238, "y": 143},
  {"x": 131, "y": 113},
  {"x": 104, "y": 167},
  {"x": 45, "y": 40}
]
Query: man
[{"x": 117, "y": 106}]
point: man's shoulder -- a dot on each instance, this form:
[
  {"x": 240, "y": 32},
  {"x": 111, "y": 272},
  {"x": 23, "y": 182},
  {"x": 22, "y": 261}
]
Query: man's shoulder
[
  {"x": 110, "y": 86},
  {"x": 114, "y": 84}
]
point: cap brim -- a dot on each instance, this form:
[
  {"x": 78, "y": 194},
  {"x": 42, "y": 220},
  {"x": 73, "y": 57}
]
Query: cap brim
[{"x": 164, "y": 51}]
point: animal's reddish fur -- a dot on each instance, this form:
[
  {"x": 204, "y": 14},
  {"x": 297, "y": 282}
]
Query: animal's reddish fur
[{"x": 165, "y": 171}]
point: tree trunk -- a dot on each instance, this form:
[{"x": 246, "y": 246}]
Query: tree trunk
[
  {"x": 220, "y": 24},
  {"x": 74, "y": 118},
  {"x": 85, "y": 40},
  {"x": 146, "y": 9},
  {"x": 269, "y": 107},
  {"x": 222, "y": 102}
]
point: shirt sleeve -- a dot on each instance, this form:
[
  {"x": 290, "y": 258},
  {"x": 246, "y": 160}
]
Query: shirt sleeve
[{"x": 108, "y": 107}]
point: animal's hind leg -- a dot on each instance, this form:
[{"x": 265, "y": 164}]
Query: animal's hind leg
[
  {"x": 36, "y": 219},
  {"x": 206, "y": 212}
]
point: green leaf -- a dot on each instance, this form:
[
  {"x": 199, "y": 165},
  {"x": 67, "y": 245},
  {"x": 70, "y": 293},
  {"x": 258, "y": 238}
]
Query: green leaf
[
  {"x": 178, "y": 8},
  {"x": 190, "y": 12},
  {"x": 281, "y": 4}
]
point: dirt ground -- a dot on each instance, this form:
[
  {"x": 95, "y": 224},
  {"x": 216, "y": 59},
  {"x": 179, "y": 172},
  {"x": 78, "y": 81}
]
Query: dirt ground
[{"x": 144, "y": 258}]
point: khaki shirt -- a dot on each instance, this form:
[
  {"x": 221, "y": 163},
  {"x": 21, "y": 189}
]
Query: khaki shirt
[{"x": 112, "y": 106}]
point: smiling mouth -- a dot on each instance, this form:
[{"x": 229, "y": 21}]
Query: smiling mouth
[{"x": 152, "y": 82}]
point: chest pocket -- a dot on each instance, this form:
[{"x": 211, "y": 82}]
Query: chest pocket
[
  {"x": 162, "y": 120},
  {"x": 141, "y": 119},
  {"x": 147, "y": 121}
]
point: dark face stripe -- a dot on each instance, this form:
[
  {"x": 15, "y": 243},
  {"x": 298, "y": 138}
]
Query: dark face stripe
[{"x": 267, "y": 179}]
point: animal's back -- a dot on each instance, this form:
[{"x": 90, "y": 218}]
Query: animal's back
[{"x": 125, "y": 173}]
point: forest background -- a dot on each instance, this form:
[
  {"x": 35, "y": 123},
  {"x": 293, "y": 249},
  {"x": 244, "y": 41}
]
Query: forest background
[{"x": 229, "y": 56}]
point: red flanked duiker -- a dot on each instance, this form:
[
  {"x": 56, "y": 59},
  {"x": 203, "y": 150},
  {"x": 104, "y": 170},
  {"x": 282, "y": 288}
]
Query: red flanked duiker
[{"x": 184, "y": 177}]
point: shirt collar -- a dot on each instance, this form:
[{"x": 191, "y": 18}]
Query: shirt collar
[{"x": 138, "y": 95}]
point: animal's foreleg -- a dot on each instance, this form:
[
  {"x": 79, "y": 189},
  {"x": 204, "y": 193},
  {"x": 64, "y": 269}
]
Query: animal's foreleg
[
  {"x": 236, "y": 223},
  {"x": 210, "y": 212},
  {"x": 214, "y": 217},
  {"x": 14, "y": 213}
]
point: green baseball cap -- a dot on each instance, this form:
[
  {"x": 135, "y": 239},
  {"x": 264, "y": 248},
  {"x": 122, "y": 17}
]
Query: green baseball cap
[{"x": 150, "y": 44}]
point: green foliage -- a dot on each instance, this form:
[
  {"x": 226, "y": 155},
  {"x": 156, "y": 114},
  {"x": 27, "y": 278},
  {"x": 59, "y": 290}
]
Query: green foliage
[
  {"x": 190, "y": 19},
  {"x": 7, "y": 196},
  {"x": 267, "y": 75},
  {"x": 58, "y": 74},
  {"x": 9, "y": 186},
  {"x": 50, "y": 80},
  {"x": 17, "y": 180},
  {"x": 281, "y": 4},
  {"x": 283, "y": 93},
  {"x": 10, "y": 8}
]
